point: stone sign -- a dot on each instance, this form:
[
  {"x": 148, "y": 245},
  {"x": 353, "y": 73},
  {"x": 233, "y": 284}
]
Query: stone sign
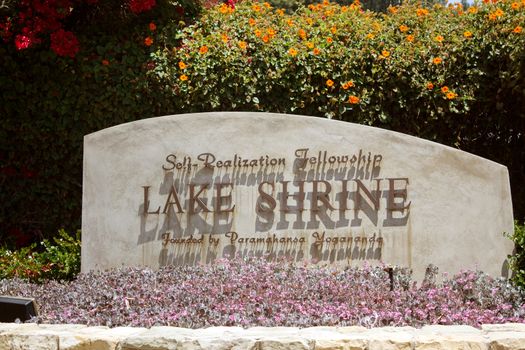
[{"x": 188, "y": 189}]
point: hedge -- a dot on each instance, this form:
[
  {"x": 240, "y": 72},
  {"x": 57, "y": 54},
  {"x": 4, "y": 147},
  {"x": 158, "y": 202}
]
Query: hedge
[
  {"x": 449, "y": 75},
  {"x": 446, "y": 74}
]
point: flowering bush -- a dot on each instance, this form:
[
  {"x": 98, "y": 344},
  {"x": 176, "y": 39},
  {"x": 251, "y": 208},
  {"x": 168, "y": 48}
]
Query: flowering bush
[
  {"x": 446, "y": 74},
  {"x": 261, "y": 293},
  {"x": 29, "y": 21},
  {"x": 82, "y": 67}
]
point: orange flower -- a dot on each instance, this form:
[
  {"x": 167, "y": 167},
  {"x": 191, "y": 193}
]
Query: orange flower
[
  {"x": 280, "y": 12},
  {"x": 270, "y": 32},
  {"x": 258, "y": 33},
  {"x": 344, "y": 9},
  {"x": 182, "y": 65},
  {"x": 353, "y": 100},
  {"x": 267, "y": 5},
  {"x": 515, "y": 5},
  {"x": 444, "y": 89},
  {"x": 329, "y": 40},
  {"x": 251, "y": 22},
  {"x": 403, "y": 28},
  {"x": 392, "y": 9},
  {"x": 242, "y": 45},
  {"x": 301, "y": 33},
  {"x": 292, "y": 51},
  {"x": 309, "y": 44},
  {"x": 473, "y": 10},
  {"x": 148, "y": 41},
  {"x": 439, "y": 38},
  {"x": 385, "y": 53},
  {"x": 493, "y": 17},
  {"x": 347, "y": 85},
  {"x": 152, "y": 27},
  {"x": 224, "y": 9},
  {"x": 517, "y": 30},
  {"x": 410, "y": 38},
  {"x": 430, "y": 86},
  {"x": 290, "y": 23},
  {"x": 224, "y": 38},
  {"x": 256, "y": 8},
  {"x": 421, "y": 12},
  {"x": 183, "y": 77},
  {"x": 370, "y": 36},
  {"x": 329, "y": 83},
  {"x": 203, "y": 50},
  {"x": 333, "y": 30},
  {"x": 316, "y": 51},
  {"x": 265, "y": 38},
  {"x": 451, "y": 95},
  {"x": 437, "y": 60},
  {"x": 105, "y": 62},
  {"x": 499, "y": 12},
  {"x": 467, "y": 34}
]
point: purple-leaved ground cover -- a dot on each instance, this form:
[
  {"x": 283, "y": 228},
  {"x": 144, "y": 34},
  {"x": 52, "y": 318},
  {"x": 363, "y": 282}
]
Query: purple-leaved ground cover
[{"x": 257, "y": 292}]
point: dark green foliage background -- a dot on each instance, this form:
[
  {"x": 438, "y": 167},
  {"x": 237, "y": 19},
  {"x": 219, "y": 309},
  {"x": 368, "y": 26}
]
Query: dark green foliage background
[{"x": 47, "y": 105}]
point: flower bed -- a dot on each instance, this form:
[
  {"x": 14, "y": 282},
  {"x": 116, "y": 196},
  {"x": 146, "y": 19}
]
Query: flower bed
[{"x": 261, "y": 293}]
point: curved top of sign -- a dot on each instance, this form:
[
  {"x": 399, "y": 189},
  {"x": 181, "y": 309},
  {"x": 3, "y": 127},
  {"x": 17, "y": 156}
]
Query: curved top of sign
[{"x": 272, "y": 123}]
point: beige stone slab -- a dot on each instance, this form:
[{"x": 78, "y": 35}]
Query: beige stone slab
[
  {"x": 98, "y": 338},
  {"x": 391, "y": 338},
  {"x": 75, "y": 337},
  {"x": 450, "y": 337},
  {"x": 19, "y": 341},
  {"x": 456, "y": 205},
  {"x": 285, "y": 343},
  {"x": 505, "y": 327},
  {"x": 507, "y": 341},
  {"x": 7, "y": 327}
]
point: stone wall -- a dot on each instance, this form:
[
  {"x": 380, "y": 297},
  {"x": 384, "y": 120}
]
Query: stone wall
[{"x": 79, "y": 337}]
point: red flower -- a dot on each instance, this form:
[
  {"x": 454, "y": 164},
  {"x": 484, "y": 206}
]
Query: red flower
[
  {"x": 23, "y": 42},
  {"x": 138, "y": 6},
  {"x": 64, "y": 43}
]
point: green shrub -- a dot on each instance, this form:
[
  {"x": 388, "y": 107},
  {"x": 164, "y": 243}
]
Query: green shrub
[
  {"x": 517, "y": 259},
  {"x": 58, "y": 260},
  {"x": 452, "y": 76}
]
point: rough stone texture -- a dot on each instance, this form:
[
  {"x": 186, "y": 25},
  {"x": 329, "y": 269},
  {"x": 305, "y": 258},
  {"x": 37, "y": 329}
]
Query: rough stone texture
[
  {"x": 75, "y": 337},
  {"x": 29, "y": 342},
  {"x": 390, "y": 338},
  {"x": 450, "y": 337},
  {"x": 457, "y": 205}
]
